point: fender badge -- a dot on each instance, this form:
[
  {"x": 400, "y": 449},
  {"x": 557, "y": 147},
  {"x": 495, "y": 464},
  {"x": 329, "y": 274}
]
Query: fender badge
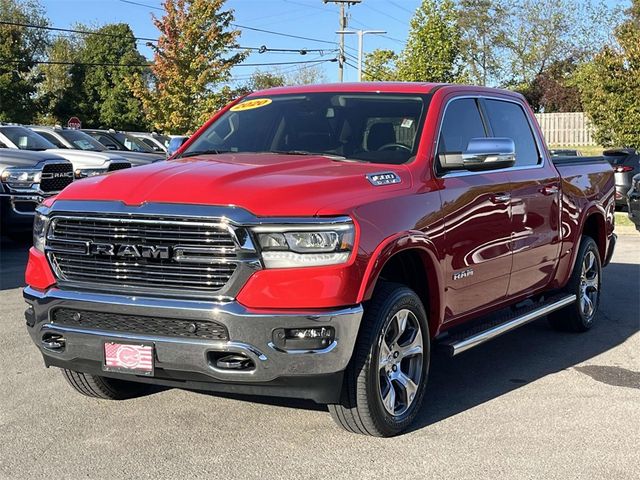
[{"x": 383, "y": 178}]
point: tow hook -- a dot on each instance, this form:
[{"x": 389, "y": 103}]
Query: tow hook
[{"x": 53, "y": 342}]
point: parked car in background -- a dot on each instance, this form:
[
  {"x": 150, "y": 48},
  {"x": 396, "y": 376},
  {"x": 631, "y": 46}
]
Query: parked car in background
[
  {"x": 625, "y": 163},
  {"x": 26, "y": 178},
  {"x": 175, "y": 142},
  {"x": 123, "y": 142},
  {"x": 158, "y": 143},
  {"x": 79, "y": 140},
  {"x": 85, "y": 163},
  {"x": 633, "y": 201},
  {"x": 565, "y": 152}
]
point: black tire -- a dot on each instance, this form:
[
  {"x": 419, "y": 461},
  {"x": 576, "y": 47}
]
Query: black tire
[
  {"x": 104, "y": 388},
  {"x": 361, "y": 408},
  {"x": 576, "y": 317}
]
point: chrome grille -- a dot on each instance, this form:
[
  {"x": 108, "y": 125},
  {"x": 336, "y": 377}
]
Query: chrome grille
[{"x": 200, "y": 256}]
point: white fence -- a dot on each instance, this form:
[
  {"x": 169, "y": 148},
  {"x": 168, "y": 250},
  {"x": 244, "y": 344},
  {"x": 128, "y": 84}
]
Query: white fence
[{"x": 568, "y": 128}]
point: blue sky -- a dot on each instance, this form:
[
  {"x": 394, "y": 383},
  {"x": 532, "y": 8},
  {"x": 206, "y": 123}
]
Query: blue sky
[{"x": 307, "y": 18}]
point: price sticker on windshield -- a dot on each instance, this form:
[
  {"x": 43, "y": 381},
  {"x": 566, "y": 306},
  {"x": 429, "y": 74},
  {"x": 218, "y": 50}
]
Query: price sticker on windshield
[{"x": 251, "y": 104}]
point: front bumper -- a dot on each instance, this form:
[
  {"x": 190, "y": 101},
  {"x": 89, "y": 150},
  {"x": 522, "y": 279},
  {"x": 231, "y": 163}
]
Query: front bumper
[
  {"x": 17, "y": 211},
  {"x": 187, "y": 362}
]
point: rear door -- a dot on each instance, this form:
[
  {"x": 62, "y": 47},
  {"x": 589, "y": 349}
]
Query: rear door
[
  {"x": 535, "y": 198},
  {"x": 476, "y": 211}
]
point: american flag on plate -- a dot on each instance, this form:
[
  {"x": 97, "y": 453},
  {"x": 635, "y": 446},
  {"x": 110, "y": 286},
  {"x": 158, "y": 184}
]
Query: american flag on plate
[{"x": 126, "y": 357}]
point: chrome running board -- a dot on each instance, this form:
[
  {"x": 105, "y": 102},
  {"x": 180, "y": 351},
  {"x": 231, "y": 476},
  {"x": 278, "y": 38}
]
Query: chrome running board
[{"x": 466, "y": 340}]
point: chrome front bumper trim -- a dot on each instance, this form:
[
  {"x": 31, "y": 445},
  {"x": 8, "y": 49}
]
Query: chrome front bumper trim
[{"x": 250, "y": 333}]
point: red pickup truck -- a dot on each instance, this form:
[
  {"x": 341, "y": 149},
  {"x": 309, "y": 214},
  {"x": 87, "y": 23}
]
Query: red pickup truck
[{"x": 320, "y": 242}]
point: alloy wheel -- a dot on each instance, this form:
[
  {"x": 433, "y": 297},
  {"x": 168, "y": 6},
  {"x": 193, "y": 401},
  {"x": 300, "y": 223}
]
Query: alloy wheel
[
  {"x": 589, "y": 285},
  {"x": 400, "y": 360}
]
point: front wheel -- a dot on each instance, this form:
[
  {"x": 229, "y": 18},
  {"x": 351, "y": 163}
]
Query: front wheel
[
  {"x": 384, "y": 383},
  {"x": 105, "y": 388}
]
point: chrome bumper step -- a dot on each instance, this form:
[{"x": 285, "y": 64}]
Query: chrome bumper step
[{"x": 496, "y": 326}]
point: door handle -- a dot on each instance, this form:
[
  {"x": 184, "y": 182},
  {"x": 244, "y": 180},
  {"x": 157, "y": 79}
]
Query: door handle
[
  {"x": 501, "y": 197},
  {"x": 549, "y": 190}
]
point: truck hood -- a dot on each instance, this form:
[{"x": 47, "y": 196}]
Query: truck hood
[
  {"x": 10, "y": 157},
  {"x": 264, "y": 184},
  {"x": 87, "y": 159},
  {"x": 140, "y": 158}
]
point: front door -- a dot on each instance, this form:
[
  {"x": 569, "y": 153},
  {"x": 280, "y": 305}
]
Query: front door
[{"x": 476, "y": 210}]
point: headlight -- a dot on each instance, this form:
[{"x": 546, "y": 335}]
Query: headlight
[
  {"x": 89, "y": 172},
  {"x": 40, "y": 224},
  {"x": 23, "y": 177},
  {"x": 305, "y": 245}
]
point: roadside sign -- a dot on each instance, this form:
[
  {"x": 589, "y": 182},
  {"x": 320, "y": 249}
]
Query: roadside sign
[{"x": 74, "y": 122}]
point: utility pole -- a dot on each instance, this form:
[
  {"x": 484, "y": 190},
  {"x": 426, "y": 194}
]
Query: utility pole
[
  {"x": 361, "y": 34},
  {"x": 343, "y": 27}
]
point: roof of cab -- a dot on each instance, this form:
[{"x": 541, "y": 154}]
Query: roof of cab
[{"x": 380, "y": 87}]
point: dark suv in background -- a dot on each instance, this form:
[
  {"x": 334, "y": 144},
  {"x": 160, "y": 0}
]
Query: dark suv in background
[{"x": 625, "y": 163}]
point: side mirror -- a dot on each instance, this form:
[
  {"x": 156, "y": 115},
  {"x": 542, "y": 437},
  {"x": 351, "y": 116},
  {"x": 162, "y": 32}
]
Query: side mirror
[
  {"x": 489, "y": 154},
  {"x": 111, "y": 147}
]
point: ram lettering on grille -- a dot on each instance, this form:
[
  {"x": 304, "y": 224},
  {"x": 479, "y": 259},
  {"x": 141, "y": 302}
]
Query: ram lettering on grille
[{"x": 175, "y": 254}]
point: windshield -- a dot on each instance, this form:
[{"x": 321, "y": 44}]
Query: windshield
[
  {"x": 25, "y": 139},
  {"x": 377, "y": 128},
  {"x": 82, "y": 141},
  {"x": 132, "y": 143}
]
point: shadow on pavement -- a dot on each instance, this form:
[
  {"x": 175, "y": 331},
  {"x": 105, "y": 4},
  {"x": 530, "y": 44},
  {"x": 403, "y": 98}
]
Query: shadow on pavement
[{"x": 13, "y": 260}]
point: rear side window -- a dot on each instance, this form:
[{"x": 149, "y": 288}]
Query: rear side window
[
  {"x": 508, "y": 119},
  {"x": 461, "y": 123}
]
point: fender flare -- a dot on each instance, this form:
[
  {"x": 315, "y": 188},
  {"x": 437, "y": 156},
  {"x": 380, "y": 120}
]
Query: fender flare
[
  {"x": 402, "y": 242},
  {"x": 591, "y": 210}
]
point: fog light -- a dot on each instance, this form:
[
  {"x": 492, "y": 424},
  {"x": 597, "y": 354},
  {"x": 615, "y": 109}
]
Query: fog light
[{"x": 315, "y": 338}]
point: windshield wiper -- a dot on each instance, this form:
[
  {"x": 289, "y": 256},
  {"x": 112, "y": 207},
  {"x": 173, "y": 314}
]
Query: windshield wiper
[
  {"x": 204, "y": 152},
  {"x": 305, "y": 152}
]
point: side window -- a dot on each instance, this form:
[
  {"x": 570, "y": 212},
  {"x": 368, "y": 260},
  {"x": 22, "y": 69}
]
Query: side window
[
  {"x": 52, "y": 139},
  {"x": 461, "y": 123},
  {"x": 509, "y": 120}
]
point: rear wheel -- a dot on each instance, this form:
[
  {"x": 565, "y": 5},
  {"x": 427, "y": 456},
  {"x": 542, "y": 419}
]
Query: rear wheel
[
  {"x": 385, "y": 381},
  {"x": 585, "y": 283},
  {"x": 104, "y": 388}
]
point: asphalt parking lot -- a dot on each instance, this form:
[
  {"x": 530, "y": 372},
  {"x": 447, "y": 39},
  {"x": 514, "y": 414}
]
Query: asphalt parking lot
[{"x": 532, "y": 404}]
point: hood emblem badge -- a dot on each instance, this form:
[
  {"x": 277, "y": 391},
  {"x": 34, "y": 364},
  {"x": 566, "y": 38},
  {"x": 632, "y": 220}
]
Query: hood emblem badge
[{"x": 383, "y": 178}]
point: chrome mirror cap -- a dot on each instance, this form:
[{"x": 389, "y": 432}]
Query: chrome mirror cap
[{"x": 489, "y": 154}]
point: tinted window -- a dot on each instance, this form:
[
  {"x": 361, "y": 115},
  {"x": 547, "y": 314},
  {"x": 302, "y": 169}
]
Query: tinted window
[
  {"x": 509, "y": 120},
  {"x": 461, "y": 123},
  {"x": 52, "y": 138},
  {"x": 377, "y": 128},
  {"x": 106, "y": 141},
  {"x": 25, "y": 139},
  {"x": 82, "y": 141}
]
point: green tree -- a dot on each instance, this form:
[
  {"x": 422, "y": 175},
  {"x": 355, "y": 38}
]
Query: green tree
[
  {"x": 20, "y": 49},
  {"x": 106, "y": 98},
  {"x": 610, "y": 86},
  {"x": 192, "y": 59},
  {"x": 305, "y": 76},
  {"x": 380, "y": 65},
  {"x": 262, "y": 80},
  {"x": 59, "y": 92},
  {"x": 481, "y": 28},
  {"x": 433, "y": 51}
]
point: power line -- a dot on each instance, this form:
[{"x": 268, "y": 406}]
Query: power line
[
  {"x": 71, "y": 30},
  {"x": 260, "y": 49},
  {"x": 237, "y": 25},
  {"x": 400, "y": 7},
  {"x": 105, "y": 64}
]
